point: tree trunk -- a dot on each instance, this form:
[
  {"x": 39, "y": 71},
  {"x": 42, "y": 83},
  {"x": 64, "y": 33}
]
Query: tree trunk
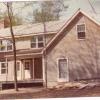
[{"x": 14, "y": 45}]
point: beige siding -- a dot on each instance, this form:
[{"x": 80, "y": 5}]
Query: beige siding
[
  {"x": 10, "y": 75},
  {"x": 81, "y": 54},
  {"x": 24, "y": 43}
]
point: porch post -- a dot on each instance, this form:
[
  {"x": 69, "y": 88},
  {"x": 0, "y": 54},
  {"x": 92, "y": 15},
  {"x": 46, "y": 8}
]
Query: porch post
[{"x": 43, "y": 70}]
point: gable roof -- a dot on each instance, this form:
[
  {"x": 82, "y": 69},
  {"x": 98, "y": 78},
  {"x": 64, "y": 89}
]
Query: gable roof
[
  {"x": 32, "y": 29},
  {"x": 67, "y": 23}
]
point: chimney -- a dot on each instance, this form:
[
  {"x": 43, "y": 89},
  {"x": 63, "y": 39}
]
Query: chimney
[{"x": 6, "y": 22}]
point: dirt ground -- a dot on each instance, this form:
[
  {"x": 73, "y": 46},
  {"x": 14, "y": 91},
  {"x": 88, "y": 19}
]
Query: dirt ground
[{"x": 55, "y": 93}]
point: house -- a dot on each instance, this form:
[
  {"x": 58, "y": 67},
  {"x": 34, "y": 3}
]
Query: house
[{"x": 71, "y": 52}]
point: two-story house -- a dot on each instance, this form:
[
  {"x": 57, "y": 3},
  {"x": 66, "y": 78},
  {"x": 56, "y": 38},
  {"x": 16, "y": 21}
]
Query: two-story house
[{"x": 72, "y": 51}]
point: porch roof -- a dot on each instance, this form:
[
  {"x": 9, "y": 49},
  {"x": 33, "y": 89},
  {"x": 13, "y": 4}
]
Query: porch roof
[{"x": 22, "y": 53}]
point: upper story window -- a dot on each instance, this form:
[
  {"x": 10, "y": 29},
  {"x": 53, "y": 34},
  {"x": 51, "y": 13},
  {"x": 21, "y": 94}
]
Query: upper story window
[
  {"x": 2, "y": 45},
  {"x": 37, "y": 41},
  {"x": 81, "y": 31},
  {"x": 6, "y": 45},
  {"x": 9, "y": 45}
]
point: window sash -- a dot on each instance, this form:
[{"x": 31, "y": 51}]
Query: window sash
[
  {"x": 81, "y": 35},
  {"x": 18, "y": 66},
  {"x": 4, "y": 68},
  {"x": 9, "y": 45},
  {"x": 81, "y": 31},
  {"x": 37, "y": 43},
  {"x": 81, "y": 28},
  {"x": 2, "y": 45}
]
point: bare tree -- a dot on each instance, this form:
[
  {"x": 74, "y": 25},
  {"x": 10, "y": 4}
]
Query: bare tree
[{"x": 10, "y": 15}]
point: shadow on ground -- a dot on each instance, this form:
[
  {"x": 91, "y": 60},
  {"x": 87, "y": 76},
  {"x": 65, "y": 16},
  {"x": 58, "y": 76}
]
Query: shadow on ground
[{"x": 55, "y": 93}]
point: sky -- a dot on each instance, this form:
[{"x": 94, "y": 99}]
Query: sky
[{"x": 26, "y": 13}]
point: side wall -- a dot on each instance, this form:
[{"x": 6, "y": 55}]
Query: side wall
[
  {"x": 22, "y": 42},
  {"x": 83, "y": 55}
]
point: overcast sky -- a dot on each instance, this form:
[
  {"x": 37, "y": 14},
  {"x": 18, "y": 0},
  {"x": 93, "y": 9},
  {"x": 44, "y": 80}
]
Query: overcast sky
[{"x": 73, "y": 5}]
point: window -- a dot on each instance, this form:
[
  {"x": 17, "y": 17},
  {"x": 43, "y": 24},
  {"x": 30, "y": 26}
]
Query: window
[
  {"x": 63, "y": 68},
  {"x": 9, "y": 45},
  {"x": 18, "y": 66},
  {"x": 27, "y": 65},
  {"x": 81, "y": 31},
  {"x": 33, "y": 42},
  {"x": 37, "y": 42},
  {"x": 2, "y": 45},
  {"x": 3, "y": 67},
  {"x": 40, "y": 41}
]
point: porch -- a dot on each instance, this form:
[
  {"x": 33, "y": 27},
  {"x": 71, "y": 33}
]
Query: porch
[
  {"x": 30, "y": 69},
  {"x": 29, "y": 73}
]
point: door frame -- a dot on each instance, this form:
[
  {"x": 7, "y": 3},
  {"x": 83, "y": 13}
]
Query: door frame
[
  {"x": 34, "y": 69},
  {"x": 67, "y": 77},
  {"x": 20, "y": 69},
  {"x": 26, "y": 60}
]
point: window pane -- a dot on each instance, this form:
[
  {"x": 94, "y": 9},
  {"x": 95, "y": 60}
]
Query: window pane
[
  {"x": 33, "y": 45},
  {"x": 3, "y": 65},
  {"x": 40, "y": 44},
  {"x": 3, "y": 68},
  {"x": 9, "y": 42},
  {"x": 40, "y": 38},
  {"x": 2, "y": 48},
  {"x": 81, "y": 35},
  {"x": 81, "y": 28},
  {"x": 33, "y": 39},
  {"x": 27, "y": 65},
  {"x": 3, "y": 71},
  {"x": 18, "y": 66},
  {"x": 9, "y": 47},
  {"x": 2, "y": 45},
  {"x": 2, "y": 60}
]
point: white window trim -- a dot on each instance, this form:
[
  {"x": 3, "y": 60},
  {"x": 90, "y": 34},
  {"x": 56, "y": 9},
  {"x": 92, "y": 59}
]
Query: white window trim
[
  {"x": 67, "y": 77},
  {"x": 6, "y": 46},
  {"x": 6, "y": 68},
  {"x": 37, "y": 47},
  {"x": 3, "y": 45},
  {"x": 82, "y": 31},
  {"x": 11, "y": 45}
]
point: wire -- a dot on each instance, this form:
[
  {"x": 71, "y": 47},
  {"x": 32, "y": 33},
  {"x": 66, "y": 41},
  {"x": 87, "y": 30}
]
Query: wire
[{"x": 92, "y": 7}]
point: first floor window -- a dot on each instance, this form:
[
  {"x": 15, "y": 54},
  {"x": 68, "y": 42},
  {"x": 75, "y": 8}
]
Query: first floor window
[
  {"x": 18, "y": 66},
  {"x": 3, "y": 67}
]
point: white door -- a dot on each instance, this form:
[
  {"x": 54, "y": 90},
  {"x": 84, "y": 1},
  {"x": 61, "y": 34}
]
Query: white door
[
  {"x": 63, "y": 70},
  {"x": 18, "y": 66},
  {"x": 27, "y": 69}
]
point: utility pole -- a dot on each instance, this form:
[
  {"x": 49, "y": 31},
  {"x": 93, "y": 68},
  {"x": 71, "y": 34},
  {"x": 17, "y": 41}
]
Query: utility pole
[
  {"x": 44, "y": 54},
  {"x": 9, "y": 10}
]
